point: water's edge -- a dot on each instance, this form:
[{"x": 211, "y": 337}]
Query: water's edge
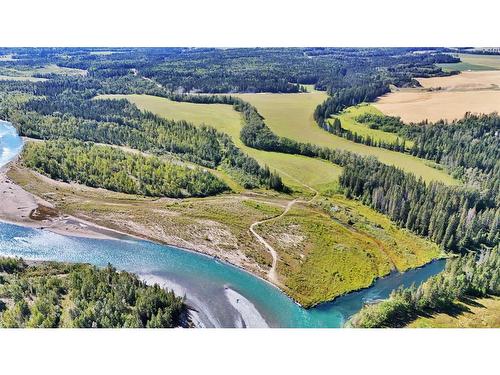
[{"x": 222, "y": 294}]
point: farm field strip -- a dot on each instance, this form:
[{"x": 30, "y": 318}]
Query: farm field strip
[
  {"x": 348, "y": 121},
  {"x": 447, "y": 98},
  {"x": 291, "y": 115}
]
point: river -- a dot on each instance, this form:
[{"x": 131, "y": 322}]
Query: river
[{"x": 221, "y": 295}]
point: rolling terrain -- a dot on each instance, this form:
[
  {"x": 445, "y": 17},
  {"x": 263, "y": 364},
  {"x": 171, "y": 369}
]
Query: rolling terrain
[
  {"x": 290, "y": 115},
  {"x": 312, "y": 215},
  {"x": 282, "y": 116},
  {"x": 295, "y": 170}
]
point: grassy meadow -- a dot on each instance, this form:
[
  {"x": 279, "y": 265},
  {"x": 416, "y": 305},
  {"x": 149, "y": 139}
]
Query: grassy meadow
[
  {"x": 326, "y": 248},
  {"x": 477, "y": 313},
  {"x": 348, "y": 121},
  {"x": 471, "y": 62},
  {"x": 295, "y": 170},
  {"x": 27, "y": 73},
  {"x": 291, "y": 115},
  {"x": 339, "y": 245}
]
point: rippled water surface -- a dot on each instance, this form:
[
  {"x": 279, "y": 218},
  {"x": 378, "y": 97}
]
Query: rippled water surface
[{"x": 220, "y": 294}]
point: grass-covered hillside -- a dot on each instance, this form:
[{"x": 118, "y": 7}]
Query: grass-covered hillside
[
  {"x": 338, "y": 245},
  {"x": 51, "y": 295},
  {"x": 295, "y": 170}
]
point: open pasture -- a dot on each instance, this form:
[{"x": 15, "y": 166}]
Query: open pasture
[
  {"x": 295, "y": 170},
  {"x": 348, "y": 121},
  {"x": 291, "y": 115}
]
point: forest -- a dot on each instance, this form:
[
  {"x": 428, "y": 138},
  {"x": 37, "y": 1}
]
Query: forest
[
  {"x": 467, "y": 147},
  {"x": 458, "y": 218},
  {"x": 51, "y": 295},
  {"x": 66, "y": 113},
  {"x": 464, "y": 277},
  {"x": 114, "y": 169},
  {"x": 62, "y": 111}
]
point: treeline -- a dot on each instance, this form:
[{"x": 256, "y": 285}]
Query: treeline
[
  {"x": 71, "y": 115},
  {"x": 458, "y": 218},
  {"x": 117, "y": 170},
  {"x": 346, "y": 97},
  {"x": 334, "y": 126},
  {"x": 465, "y": 277},
  {"x": 52, "y": 295},
  {"x": 469, "y": 147}
]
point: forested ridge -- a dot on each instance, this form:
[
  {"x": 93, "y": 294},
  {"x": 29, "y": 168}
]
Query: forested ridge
[
  {"x": 114, "y": 169},
  {"x": 51, "y": 295},
  {"x": 65, "y": 113}
]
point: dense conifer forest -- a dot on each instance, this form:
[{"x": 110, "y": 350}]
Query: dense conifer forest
[
  {"x": 114, "y": 169},
  {"x": 63, "y": 112},
  {"x": 50, "y": 295}
]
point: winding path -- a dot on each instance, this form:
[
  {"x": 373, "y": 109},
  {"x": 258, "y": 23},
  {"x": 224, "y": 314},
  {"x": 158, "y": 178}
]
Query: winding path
[{"x": 272, "y": 275}]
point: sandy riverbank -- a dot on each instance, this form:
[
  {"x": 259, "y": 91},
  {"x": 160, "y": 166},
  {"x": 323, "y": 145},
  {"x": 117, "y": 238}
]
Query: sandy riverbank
[{"x": 21, "y": 207}]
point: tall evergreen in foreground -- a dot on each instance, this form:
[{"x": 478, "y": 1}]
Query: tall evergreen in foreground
[{"x": 51, "y": 295}]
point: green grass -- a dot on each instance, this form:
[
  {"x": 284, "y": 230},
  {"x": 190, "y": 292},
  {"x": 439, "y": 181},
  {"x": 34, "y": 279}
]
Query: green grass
[
  {"x": 339, "y": 246},
  {"x": 463, "y": 66},
  {"x": 348, "y": 121},
  {"x": 26, "y": 73},
  {"x": 294, "y": 169},
  {"x": 21, "y": 78},
  {"x": 478, "y": 313},
  {"x": 291, "y": 115},
  {"x": 489, "y": 61},
  {"x": 473, "y": 63}
]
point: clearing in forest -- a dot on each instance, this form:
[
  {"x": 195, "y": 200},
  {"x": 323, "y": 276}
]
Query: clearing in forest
[
  {"x": 295, "y": 170},
  {"x": 473, "y": 62},
  {"x": 26, "y": 73},
  {"x": 348, "y": 120},
  {"x": 291, "y": 115}
]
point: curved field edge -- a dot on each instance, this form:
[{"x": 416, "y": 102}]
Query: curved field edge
[
  {"x": 288, "y": 115},
  {"x": 295, "y": 170},
  {"x": 291, "y": 116}
]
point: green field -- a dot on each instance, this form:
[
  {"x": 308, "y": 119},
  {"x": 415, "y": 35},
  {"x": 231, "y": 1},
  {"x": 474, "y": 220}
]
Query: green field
[
  {"x": 26, "y": 73},
  {"x": 288, "y": 115},
  {"x": 463, "y": 66},
  {"x": 338, "y": 246},
  {"x": 473, "y": 63},
  {"x": 21, "y": 78},
  {"x": 295, "y": 170},
  {"x": 291, "y": 115},
  {"x": 478, "y": 313},
  {"x": 348, "y": 121}
]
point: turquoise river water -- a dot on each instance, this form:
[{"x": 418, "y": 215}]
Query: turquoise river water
[{"x": 219, "y": 294}]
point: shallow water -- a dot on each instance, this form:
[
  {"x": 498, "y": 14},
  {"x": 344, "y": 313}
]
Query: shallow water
[
  {"x": 10, "y": 143},
  {"x": 220, "y": 294}
]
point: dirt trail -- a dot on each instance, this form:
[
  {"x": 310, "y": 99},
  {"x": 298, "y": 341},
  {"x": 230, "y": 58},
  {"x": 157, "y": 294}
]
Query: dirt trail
[{"x": 272, "y": 275}]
